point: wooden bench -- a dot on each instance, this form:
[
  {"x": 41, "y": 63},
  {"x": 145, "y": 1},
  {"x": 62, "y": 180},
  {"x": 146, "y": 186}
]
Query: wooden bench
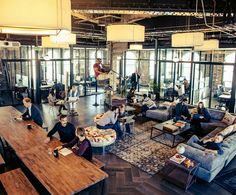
[
  {"x": 2, "y": 164},
  {"x": 98, "y": 163},
  {"x": 15, "y": 182}
]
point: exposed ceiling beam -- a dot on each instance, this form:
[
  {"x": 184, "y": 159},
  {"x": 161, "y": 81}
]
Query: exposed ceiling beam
[
  {"x": 142, "y": 12},
  {"x": 84, "y": 16}
]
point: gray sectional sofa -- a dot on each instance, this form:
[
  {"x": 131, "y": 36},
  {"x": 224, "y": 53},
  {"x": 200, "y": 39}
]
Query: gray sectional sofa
[
  {"x": 211, "y": 165},
  {"x": 160, "y": 114},
  {"x": 216, "y": 117}
]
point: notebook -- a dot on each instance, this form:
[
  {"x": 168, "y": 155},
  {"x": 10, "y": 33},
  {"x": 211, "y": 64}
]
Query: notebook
[{"x": 65, "y": 151}]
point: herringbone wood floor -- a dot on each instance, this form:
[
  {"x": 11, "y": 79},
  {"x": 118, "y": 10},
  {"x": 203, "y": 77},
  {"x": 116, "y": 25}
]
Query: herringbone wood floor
[{"x": 124, "y": 178}]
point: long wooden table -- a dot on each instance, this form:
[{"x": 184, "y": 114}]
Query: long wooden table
[{"x": 64, "y": 175}]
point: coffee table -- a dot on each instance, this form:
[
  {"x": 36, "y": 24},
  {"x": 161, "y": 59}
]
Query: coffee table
[
  {"x": 173, "y": 171},
  {"x": 159, "y": 127}
]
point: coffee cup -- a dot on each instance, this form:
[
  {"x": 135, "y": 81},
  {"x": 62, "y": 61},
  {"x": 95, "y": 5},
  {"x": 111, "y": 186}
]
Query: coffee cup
[
  {"x": 29, "y": 126},
  {"x": 55, "y": 153}
]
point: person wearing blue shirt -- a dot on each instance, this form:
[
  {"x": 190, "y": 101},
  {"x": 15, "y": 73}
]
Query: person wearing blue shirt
[
  {"x": 212, "y": 145},
  {"x": 181, "y": 110},
  {"x": 32, "y": 112},
  {"x": 202, "y": 115}
]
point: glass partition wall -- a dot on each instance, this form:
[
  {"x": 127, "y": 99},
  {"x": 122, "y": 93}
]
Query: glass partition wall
[
  {"x": 141, "y": 62},
  {"x": 57, "y": 66},
  {"x": 198, "y": 75},
  {"x": 209, "y": 75}
]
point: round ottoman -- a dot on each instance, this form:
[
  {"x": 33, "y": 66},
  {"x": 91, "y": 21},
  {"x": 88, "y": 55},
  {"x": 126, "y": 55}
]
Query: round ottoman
[{"x": 100, "y": 137}]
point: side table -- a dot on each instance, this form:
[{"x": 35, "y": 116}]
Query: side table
[{"x": 179, "y": 174}]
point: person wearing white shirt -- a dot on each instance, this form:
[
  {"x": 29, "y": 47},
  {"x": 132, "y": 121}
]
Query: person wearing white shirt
[
  {"x": 73, "y": 97},
  {"x": 109, "y": 121},
  {"x": 147, "y": 104}
]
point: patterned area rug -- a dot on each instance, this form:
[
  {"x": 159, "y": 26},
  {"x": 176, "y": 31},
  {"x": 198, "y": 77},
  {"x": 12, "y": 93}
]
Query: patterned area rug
[
  {"x": 227, "y": 180},
  {"x": 142, "y": 152}
]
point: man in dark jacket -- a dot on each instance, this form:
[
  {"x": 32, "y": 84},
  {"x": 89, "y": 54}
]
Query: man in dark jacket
[
  {"x": 32, "y": 112},
  {"x": 181, "y": 110},
  {"x": 65, "y": 130},
  {"x": 135, "y": 80}
]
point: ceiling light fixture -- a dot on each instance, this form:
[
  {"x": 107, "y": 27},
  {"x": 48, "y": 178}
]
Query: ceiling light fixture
[
  {"x": 38, "y": 17},
  {"x": 187, "y": 39},
  {"x": 46, "y": 42},
  {"x": 64, "y": 37},
  {"x": 125, "y": 33},
  {"x": 135, "y": 46},
  {"x": 212, "y": 44}
]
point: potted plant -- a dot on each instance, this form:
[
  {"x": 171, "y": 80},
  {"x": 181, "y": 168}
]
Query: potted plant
[{"x": 153, "y": 90}]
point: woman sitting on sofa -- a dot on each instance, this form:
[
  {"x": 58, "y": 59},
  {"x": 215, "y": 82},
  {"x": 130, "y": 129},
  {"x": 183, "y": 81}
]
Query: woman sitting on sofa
[{"x": 202, "y": 115}]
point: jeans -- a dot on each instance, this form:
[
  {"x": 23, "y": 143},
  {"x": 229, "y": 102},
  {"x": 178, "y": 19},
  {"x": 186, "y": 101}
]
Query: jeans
[
  {"x": 115, "y": 126},
  {"x": 194, "y": 142}
]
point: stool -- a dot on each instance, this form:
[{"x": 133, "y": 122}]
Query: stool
[{"x": 130, "y": 123}]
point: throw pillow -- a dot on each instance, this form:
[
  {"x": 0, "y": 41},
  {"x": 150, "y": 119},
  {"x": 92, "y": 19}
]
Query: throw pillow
[
  {"x": 228, "y": 119},
  {"x": 193, "y": 111}
]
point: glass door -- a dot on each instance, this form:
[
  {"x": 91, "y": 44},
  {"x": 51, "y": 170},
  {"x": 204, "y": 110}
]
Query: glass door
[
  {"x": 16, "y": 81},
  {"x": 201, "y": 84},
  {"x": 167, "y": 76}
]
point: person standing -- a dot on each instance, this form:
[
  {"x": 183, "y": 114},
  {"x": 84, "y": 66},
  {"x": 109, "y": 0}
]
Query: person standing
[
  {"x": 135, "y": 80},
  {"x": 101, "y": 74},
  {"x": 65, "y": 130},
  {"x": 97, "y": 67},
  {"x": 186, "y": 86},
  {"x": 32, "y": 112}
]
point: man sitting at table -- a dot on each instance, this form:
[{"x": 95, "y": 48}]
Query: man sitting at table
[
  {"x": 65, "y": 130},
  {"x": 181, "y": 110},
  {"x": 109, "y": 121},
  {"x": 32, "y": 112},
  {"x": 80, "y": 145}
]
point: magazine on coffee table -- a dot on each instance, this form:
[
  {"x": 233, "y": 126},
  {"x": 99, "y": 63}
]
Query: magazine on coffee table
[
  {"x": 178, "y": 158},
  {"x": 180, "y": 124}
]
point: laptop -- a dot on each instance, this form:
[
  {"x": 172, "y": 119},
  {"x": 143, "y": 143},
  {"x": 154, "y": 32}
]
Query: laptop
[{"x": 128, "y": 118}]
